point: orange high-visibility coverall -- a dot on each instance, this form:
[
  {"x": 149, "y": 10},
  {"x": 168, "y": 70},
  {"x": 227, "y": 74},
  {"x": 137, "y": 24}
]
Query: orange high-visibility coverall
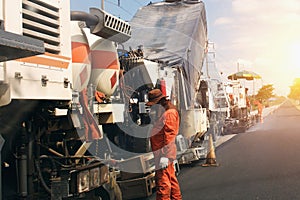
[
  {"x": 259, "y": 107},
  {"x": 163, "y": 144}
]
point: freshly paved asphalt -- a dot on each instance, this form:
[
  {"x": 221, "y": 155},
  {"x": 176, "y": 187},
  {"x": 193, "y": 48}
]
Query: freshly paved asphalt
[{"x": 260, "y": 164}]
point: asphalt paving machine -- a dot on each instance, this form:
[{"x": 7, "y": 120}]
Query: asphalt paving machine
[
  {"x": 168, "y": 43},
  {"x": 51, "y": 62}
]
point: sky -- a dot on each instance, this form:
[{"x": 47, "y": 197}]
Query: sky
[{"x": 260, "y": 36}]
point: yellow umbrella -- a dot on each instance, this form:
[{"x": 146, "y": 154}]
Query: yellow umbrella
[{"x": 248, "y": 75}]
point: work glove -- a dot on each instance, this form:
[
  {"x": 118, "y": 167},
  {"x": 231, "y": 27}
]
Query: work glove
[{"x": 164, "y": 162}]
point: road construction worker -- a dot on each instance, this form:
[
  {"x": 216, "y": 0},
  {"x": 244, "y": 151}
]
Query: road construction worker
[
  {"x": 163, "y": 134},
  {"x": 259, "y": 109}
]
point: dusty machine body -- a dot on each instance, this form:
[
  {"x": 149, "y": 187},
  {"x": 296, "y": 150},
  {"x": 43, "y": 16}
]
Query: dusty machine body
[
  {"x": 169, "y": 40},
  {"x": 49, "y": 72}
]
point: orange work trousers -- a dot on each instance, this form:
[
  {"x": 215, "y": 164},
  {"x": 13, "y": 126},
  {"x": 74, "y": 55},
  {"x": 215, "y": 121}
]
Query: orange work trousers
[{"x": 167, "y": 186}]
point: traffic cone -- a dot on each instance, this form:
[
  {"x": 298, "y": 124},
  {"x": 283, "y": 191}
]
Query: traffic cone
[{"x": 211, "y": 156}]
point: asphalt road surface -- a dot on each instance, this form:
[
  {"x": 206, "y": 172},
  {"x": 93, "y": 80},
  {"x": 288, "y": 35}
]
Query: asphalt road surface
[{"x": 260, "y": 164}]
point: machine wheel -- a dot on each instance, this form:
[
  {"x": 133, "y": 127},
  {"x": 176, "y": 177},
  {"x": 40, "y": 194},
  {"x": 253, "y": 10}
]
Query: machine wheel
[{"x": 101, "y": 194}]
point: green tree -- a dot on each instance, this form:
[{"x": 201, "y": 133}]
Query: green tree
[
  {"x": 295, "y": 90},
  {"x": 265, "y": 92}
]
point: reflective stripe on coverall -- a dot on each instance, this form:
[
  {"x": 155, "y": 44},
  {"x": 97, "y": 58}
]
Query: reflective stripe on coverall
[{"x": 163, "y": 144}]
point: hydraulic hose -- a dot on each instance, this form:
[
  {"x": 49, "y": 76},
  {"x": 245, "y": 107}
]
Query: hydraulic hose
[{"x": 44, "y": 184}]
